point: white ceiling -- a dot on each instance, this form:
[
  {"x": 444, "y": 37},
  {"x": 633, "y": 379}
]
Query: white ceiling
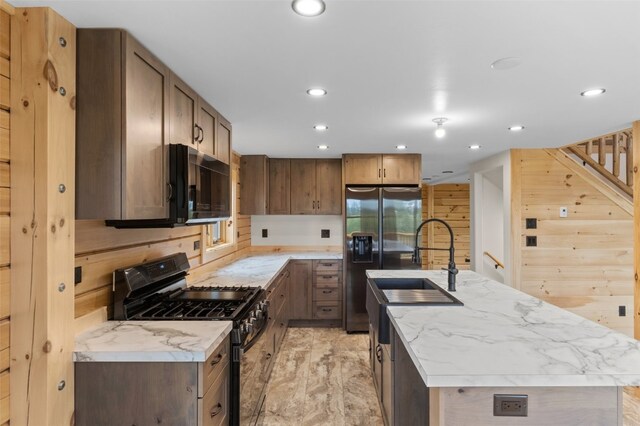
[{"x": 390, "y": 67}]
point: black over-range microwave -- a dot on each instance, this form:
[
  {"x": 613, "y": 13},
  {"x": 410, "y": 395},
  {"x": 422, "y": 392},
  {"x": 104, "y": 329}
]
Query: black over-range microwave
[{"x": 199, "y": 191}]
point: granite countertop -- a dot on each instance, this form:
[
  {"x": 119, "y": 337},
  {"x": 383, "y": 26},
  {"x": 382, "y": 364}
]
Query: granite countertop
[
  {"x": 151, "y": 341},
  {"x": 504, "y": 337},
  {"x": 258, "y": 270}
]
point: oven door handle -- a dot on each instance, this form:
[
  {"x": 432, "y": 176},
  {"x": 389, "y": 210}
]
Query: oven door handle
[{"x": 257, "y": 336}]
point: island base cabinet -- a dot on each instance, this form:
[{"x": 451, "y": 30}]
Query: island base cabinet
[{"x": 549, "y": 406}]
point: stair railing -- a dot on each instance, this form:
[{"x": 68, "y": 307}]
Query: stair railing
[{"x": 594, "y": 153}]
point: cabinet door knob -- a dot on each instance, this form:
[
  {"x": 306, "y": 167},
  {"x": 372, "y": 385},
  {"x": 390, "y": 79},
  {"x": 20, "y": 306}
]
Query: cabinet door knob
[
  {"x": 216, "y": 410},
  {"x": 216, "y": 360},
  {"x": 196, "y": 133},
  {"x": 314, "y": 205},
  {"x": 318, "y": 202},
  {"x": 384, "y": 173},
  {"x": 379, "y": 172}
]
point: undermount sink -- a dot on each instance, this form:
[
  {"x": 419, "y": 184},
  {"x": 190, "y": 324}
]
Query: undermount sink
[{"x": 383, "y": 292}]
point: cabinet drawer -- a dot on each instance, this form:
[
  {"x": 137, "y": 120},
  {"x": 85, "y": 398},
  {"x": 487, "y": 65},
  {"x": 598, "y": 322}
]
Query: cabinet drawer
[
  {"x": 332, "y": 294},
  {"x": 327, "y": 265},
  {"x": 327, "y": 310},
  {"x": 210, "y": 370},
  {"x": 327, "y": 279},
  {"x": 213, "y": 408}
]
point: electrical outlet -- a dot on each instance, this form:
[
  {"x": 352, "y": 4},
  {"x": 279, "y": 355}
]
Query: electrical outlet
[
  {"x": 531, "y": 223},
  {"x": 532, "y": 241},
  {"x": 622, "y": 311},
  {"x": 77, "y": 275},
  {"x": 325, "y": 233},
  {"x": 196, "y": 245},
  {"x": 564, "y": 212},
  {"x": 510, "y": 405},
  {"x": 265, "y": 233}
]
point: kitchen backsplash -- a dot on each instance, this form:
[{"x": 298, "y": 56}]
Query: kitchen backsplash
[{"x": 296, "y": 230}]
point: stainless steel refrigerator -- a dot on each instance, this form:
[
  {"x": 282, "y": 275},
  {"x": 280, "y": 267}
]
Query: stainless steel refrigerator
[{"x": 380, "y": 224}]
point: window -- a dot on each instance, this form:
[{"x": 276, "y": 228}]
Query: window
[{"x": 215, "y": 233}]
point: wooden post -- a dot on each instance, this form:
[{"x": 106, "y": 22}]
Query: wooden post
[
  {"x": 635, "y": 135},
  {"x": 43, "y": 91},
  {"x": 616, "y": 156},
  {"x": 513, "y": 268}
]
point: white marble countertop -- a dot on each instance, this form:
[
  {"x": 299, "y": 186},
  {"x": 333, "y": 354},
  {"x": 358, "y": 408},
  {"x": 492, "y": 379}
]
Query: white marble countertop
[
  {"x": 504, "y": 337},
  {"x": 258, "y": 270},
  {"x": 151, "y": 341}
]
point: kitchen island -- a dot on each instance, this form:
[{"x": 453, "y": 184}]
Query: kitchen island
[{"x": 557, "y": 367}]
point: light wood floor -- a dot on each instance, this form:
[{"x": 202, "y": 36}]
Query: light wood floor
[{"x": 322, "y": 377}]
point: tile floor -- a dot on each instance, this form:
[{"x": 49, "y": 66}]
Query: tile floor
[
  {"x": 631, "y": 406},
  {"x": 322, "y": 377}
]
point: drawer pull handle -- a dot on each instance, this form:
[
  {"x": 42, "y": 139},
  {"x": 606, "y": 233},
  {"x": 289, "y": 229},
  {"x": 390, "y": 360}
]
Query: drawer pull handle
[
  {"x": 216, "y": 410},
  {"x": 327, "y": 277},
  {"x": 326, "y": 264},
  {"x": 269, "y": 356},
  {"x": 216, "y": 360},
  {"x": 326, "y": 309},
  {"x": 327, "y": 291}
]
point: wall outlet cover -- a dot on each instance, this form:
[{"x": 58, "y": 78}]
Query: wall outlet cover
[
  {"x": 622, "y": 311},
  {"x": 196, "y": 245},
  {"x": 265, "y": 233},
  {"x": 510, "y": 405},
  {"x": 564, "y": 212},
  {"x": 325, "y": 233},
  {"x": 531, "y": 223},
  {"x": 532, "y": 241}
]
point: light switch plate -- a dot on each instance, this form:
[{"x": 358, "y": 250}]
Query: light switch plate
[{"x": 564, "y": 212}]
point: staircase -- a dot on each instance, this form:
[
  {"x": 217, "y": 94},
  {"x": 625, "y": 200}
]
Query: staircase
[{"x": 609, "y": 156}]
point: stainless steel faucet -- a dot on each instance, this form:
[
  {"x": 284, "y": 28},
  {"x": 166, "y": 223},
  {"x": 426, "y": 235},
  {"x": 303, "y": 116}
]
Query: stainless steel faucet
[{"x": 452, "y": 270}]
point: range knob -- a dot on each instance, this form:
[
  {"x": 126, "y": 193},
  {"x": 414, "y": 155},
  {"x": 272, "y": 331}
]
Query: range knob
[
  {"x": 259, "y": 314},
  {"x": 244, "y": 327}
]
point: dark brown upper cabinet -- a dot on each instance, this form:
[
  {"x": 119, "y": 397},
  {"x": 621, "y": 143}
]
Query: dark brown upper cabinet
[
  {"x": 254, "y": 184},
  {"x": 279, "y": 186},
  {"x": 122, "y": 128},
  {"x": 195, "y": 123},
  {"x": 382, "y": 169},
  {"x": 318, "y": 186}
]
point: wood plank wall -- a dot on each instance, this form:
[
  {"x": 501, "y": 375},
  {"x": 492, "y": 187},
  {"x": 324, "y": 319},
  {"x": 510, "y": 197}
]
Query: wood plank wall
[
  {"x": 583, "y": 263},
  {"x": 449, "y": 202},
  {"x": 101, "y": 249},
  {"x": 5, "y": 207}
]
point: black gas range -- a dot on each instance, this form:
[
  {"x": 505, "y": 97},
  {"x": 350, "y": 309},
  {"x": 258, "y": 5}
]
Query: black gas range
[{"x": 158, "y": 290}]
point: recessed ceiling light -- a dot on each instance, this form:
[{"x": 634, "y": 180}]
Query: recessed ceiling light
[
  {"x": 317, "y": 92},
  {"x": 505, "y": 63},
  {"x": 321, "y": 127},
  {"x": 323, "y": 147},
  {"x": 516, "y": 128},
  {"x": 592, "y": 92},
  {"x": 308, "y": 8},
  {"x": 401, "y": 147},
  {"x": 474, "y": 147},
  {"x": 447, "y": 171},
  {"x": 440, "y": 131}
]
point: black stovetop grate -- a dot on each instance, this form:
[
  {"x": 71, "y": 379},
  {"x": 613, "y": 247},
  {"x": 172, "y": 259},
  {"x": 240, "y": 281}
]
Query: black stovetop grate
[{"x": 201, "y": 303}]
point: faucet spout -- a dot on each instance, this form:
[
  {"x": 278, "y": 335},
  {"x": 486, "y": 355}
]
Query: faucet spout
[{"x": 451, "y": 267}]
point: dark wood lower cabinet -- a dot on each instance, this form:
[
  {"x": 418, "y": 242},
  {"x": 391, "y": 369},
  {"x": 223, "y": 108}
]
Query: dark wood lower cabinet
[
  {"x": 152, "y": 393},
  {"x": 402, "y": 394}
]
